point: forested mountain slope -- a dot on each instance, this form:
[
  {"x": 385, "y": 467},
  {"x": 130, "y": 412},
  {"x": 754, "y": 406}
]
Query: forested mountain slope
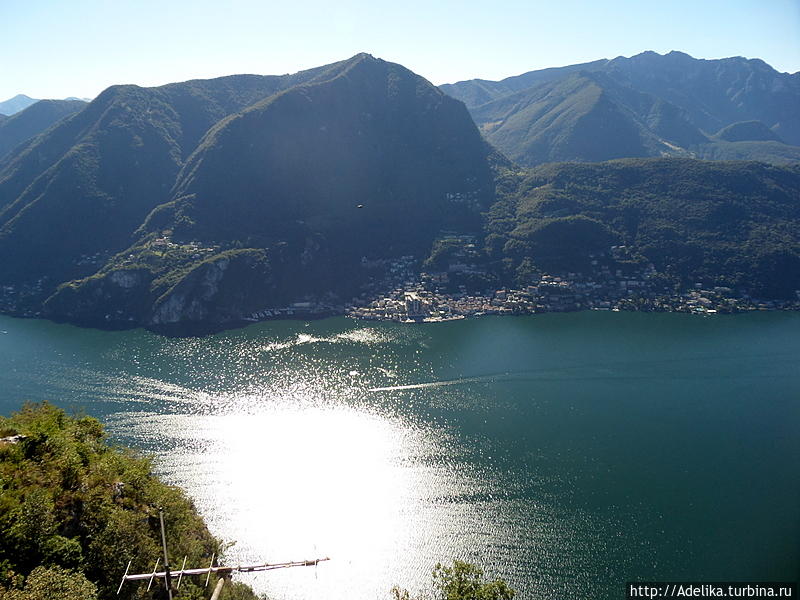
[
  {"x": 292, "y": 178},
  {"x": 721, "y": 223},
  {"x": 34, "y": 120},
  {"x": 646, "y": 105},
  {"x": 202, "y": 202}
]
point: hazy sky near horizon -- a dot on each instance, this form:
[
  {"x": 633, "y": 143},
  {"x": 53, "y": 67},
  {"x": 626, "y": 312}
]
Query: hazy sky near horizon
[{"x": 56, "y": 48}]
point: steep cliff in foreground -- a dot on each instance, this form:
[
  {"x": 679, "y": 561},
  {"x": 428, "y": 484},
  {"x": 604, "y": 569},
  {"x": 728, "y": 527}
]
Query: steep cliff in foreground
[{"x": 75, "y": 510}]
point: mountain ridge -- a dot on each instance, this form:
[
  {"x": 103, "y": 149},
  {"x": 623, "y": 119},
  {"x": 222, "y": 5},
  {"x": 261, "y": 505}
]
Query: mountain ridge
[
  {"x": 16, "y": 104},
  {"x": 194, "y": 204},
  {"x": 33, "y": 120},
  {"x": 696, "y": 98},
  {"x": 20, "y": 102},
  {"x": 119, "y": 156},
  {"x": 293, "y": 177}
]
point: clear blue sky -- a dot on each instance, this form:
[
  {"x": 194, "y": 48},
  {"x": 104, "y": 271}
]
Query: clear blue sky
[{"x": 57, "y": 48}]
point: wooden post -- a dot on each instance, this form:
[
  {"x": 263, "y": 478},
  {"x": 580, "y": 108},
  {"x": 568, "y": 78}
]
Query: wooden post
[{"x": 218, "y": 589}]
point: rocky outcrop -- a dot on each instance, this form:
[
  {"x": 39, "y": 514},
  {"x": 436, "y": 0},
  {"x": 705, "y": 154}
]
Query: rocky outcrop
[
  {"x": 212, "y": 293},
  {"x": 219, "y": 290},
  {"x": 192, "y": 298}
]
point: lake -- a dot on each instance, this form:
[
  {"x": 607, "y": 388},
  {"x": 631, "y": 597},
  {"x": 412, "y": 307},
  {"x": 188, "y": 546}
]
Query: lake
[{"x": 567, "y": 453}]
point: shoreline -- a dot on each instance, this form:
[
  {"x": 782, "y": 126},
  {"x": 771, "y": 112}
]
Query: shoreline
[{"x": 201, "y": 330}]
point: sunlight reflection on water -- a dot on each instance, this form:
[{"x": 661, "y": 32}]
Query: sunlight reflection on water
[
  {"x": 302, "y": 463},
  {"x": 565, "y": 453},
  {"x": 295, "y": 480}
]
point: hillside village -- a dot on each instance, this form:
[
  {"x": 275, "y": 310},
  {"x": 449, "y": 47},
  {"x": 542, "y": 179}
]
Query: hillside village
[
  {"x": 398, "y": 291},
  {"x": 404, "y": 294},
  {"x": 423, "y": 300}
]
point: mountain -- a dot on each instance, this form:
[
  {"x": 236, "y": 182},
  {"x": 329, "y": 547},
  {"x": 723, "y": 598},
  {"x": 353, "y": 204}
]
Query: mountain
[
  {"x": 646, "y": 105},
  {"x": 16, "y": 104},
  {"x": 204, "y": 200},
  {"x": 587, "y": 117},
  {"x": 723, "y": 223},
  {"x": 716, "y": 93},
  {"x": 476, "y": 92},
  {"x": 106, "y": 168},
  {"x": 766, "y": 151},
  {"x": 190, "y": 206},
  {"x": 33, "y": 120},
  {"x": 371, "y": 133},
  {"x": 748, "y": 140}
]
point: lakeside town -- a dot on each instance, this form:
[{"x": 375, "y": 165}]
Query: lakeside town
[
  {"x": 397, "y": 290},
  {"x": 423, "y": 299},
  {"x": 405, "y": 295}
]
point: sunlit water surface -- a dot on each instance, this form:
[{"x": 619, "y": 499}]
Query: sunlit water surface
[{"x": 566, "y": 453}]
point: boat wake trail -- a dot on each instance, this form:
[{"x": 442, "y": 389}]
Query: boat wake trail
[
  {"x": 433, "y": 384},
  {"x": 691, "y": 368}
]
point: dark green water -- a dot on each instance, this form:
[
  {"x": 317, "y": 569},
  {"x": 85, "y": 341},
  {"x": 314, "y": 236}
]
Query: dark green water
[{"x": 569, "y": 453}]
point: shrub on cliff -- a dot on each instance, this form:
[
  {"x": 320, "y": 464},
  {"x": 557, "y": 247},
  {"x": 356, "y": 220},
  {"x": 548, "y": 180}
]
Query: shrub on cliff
[{"x": 74, "y": 510}]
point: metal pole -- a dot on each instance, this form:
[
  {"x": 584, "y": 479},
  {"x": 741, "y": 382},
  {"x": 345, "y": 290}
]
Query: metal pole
[{"x": 166, "y": 558}]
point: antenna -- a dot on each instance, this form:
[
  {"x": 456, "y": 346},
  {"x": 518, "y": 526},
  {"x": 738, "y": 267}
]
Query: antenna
[
  {"x": 119, "y": 589},
  {"x": 183, "y": 566},
  {"x": 153, "y": 574},
  {"x": 211, "y": 564},
  {"x": 223, "y": 572}
]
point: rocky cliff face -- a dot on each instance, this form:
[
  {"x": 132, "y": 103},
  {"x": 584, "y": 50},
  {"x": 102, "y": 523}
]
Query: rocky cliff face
[
  {"x": 218, "y": 291},
  {"x": 193, "y": 296}
]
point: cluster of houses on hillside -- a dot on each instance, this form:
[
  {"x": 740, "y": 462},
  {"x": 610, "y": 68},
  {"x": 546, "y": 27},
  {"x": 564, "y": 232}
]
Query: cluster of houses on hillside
[
  {"x": 395, "y": 290},
  {"x": 424, "y": 299}
]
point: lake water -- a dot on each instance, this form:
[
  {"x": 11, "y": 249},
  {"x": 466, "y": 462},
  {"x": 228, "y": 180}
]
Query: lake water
[{"x": 568, "y": 453}]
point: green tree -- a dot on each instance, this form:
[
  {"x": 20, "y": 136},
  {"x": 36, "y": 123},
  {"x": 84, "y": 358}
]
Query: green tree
[
  {"x": 74, "y": 509},
  {"x": 462, "y": 581},
  {"x": 465, "y": 581},
  {"x": 47, "y": 583}
]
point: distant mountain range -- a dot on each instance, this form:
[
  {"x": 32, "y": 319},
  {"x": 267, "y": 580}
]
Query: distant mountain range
[
  {"x": 16, "y": 104},
  {"x": 33, "y": 120},
  {"x": 646, "y": 105},
  {"x": 199, "y": 202},
  {"x": 21, "y": 102}
]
